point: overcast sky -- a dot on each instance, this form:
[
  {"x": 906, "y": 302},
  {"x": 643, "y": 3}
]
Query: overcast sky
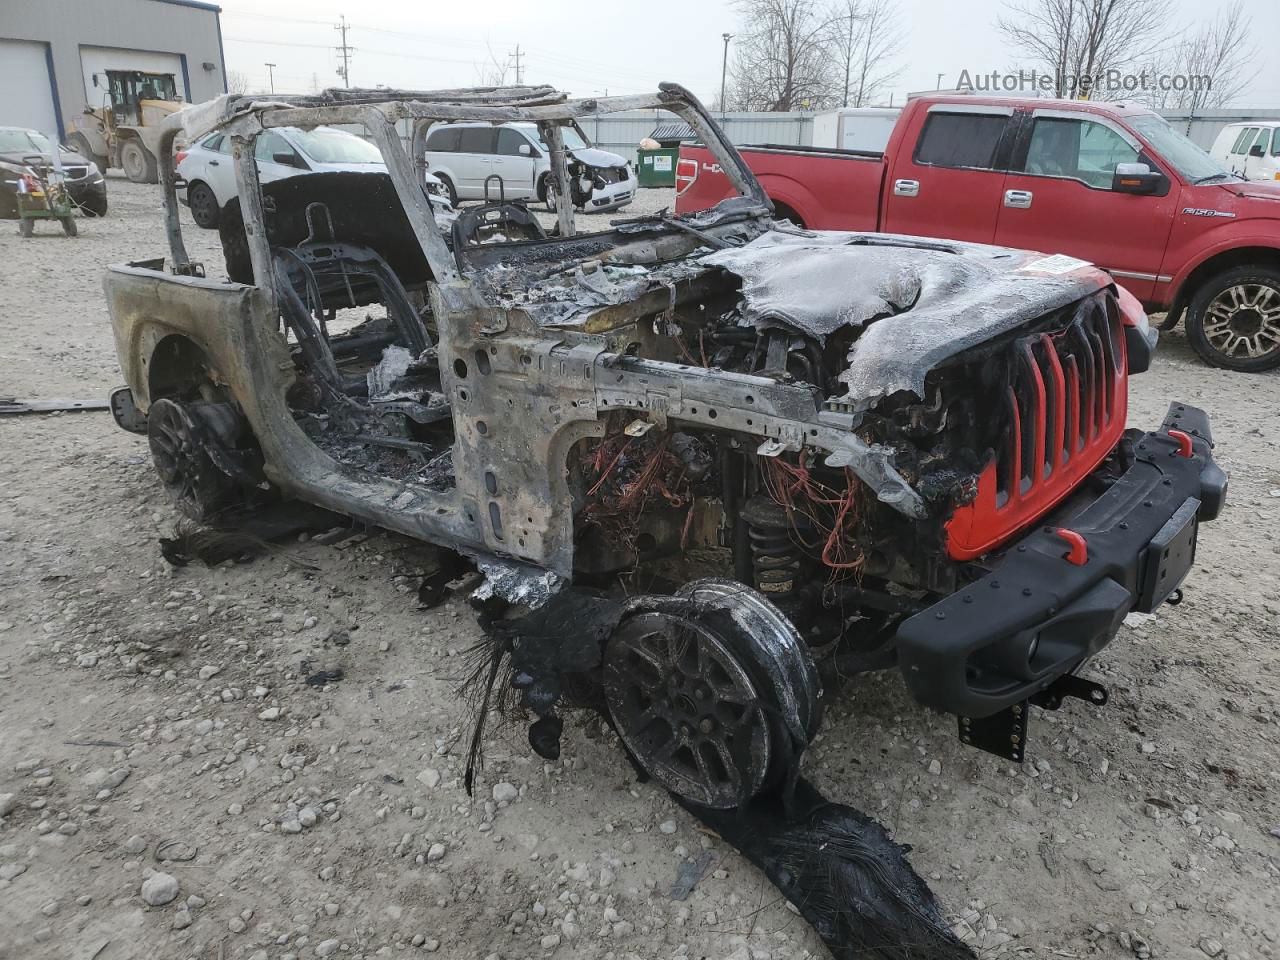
[{"x": 616, "y": 45}]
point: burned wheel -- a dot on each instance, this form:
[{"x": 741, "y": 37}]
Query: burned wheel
[
  {"x": 711, "y": 691},
  {"x": 198, "y": 488}
]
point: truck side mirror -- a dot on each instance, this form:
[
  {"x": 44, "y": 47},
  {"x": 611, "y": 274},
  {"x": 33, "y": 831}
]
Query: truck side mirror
[
  {"x": 525, "y": 150},
  {"x": 288, "y": 159},
  {"x": 1256, "y": 150},
  {"x": 1135, "y": 178}
]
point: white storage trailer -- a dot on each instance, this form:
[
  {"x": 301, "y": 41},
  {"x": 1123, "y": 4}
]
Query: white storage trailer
[{"x": 855, "y": 128}]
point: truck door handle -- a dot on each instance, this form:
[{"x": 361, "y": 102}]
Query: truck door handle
[
  {"x": 906, "y": 188},
  {"x": 1017, "y": 198},
  {"x": 213, "y": 163}
]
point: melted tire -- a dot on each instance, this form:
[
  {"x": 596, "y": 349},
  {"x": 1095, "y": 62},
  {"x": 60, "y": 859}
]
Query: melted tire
[
  {"x": 712, "y": 692},
  {"x": 198, "y": 488}
]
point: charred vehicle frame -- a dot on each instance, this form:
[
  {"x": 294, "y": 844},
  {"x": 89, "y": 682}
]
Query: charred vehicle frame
[{"x": 805, "y": 455}]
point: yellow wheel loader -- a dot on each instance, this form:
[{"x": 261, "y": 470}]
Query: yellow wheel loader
[{"x": 125, "y": 131}]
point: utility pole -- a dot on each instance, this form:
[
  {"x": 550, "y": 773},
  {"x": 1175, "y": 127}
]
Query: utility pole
[
  {"x": 519, "y": 72},
  {"x": 724, "y": 70},
  {"x": 271, "y": 75},
  {"x": 344, "y": 51}
]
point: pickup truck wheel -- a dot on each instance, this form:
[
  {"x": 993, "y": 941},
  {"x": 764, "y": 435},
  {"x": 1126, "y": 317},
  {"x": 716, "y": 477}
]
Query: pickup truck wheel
[
  {"x": 197, "y": 487},
  {"x": 1234, "y": 319},
  {"x": 203, "y": 204}
]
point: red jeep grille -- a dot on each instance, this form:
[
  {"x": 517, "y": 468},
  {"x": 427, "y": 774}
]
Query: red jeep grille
[{"x": 1064, "y": 412}]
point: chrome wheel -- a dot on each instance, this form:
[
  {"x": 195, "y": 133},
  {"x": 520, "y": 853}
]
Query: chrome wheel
[
  {"x": 1243, "y": 321},
  {"x": 549, "y": 194}
]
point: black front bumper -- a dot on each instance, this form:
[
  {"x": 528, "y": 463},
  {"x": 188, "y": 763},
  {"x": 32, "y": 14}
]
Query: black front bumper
[
  {"x": 88, "y": 192},
  {"x": 1036, "y": 615}
]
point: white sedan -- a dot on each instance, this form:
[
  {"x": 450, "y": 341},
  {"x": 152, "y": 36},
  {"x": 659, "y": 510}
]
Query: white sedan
[{"x": 209, "y": 174}]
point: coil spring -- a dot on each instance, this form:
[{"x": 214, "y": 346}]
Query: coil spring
[{"x": 775, "y": 561}]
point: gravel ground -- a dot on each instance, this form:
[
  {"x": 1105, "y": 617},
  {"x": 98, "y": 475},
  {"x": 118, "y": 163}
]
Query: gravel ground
[{"x": 170, "y": 787}]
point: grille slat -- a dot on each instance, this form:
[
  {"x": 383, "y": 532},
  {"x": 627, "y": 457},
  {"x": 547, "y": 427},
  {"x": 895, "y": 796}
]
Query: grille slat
[
  {"x": 1073, "y": 374},
  {"x": 1064, "y": 412},
  {"x": 1057, "y": 383}
]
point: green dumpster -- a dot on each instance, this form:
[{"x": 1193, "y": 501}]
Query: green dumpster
[{"x": 657, "y": 168}]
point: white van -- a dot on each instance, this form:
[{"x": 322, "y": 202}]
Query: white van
[
  {"x": 1251, "y": 150},
  {"x": 478, "y": 161}
]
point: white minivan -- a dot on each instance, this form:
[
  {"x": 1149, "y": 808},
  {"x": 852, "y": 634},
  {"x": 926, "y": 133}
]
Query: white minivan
[
  {"x": 479, "y": 161},
  {"x": 208, "y": 176},
  {"x": 1251, "y": 150}
]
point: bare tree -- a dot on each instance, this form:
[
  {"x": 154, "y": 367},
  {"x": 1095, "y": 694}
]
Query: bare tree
[
  {"x": 865, "y": 35},
  {"x": 1214, "y": 64},
  {"x": 237, "y": 82},
  {"x": 1073, "y": 39},
  {"x": 782, "y": 57},
  {"x": 492, "y": 72}
]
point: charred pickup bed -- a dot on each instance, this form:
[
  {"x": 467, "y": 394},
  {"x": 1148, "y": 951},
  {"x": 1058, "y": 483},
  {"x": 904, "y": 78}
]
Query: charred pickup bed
[{"x": 744, "y": 461}]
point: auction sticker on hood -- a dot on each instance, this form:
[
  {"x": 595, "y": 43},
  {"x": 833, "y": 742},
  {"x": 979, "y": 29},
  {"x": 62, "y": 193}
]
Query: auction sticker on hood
[{"x": 1058, "y": 263}]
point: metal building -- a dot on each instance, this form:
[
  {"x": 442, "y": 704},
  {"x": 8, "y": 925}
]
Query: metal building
[{"x": 55, "y": 54}]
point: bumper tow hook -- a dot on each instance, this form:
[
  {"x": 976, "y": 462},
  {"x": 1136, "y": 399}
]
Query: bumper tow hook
[{"x": 1079, "y": 552}]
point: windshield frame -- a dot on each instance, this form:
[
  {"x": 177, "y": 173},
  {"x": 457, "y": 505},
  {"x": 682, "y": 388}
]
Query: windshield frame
[
  {"x": 1144, "y": 125},
  {"x": 381, "y": 112}
]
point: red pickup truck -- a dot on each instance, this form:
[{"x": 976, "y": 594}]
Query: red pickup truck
[{"x": 1110, "y": 183}]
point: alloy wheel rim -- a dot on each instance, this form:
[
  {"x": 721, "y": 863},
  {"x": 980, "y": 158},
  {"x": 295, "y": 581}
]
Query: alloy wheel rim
[
  {"x": 1243, "y": 321},
  {"x": 177, "y": 456},
  {"x": 687, "y": 709}
]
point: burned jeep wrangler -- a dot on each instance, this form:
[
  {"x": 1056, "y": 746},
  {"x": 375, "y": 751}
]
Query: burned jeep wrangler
[{"x": 757, "y": 460}]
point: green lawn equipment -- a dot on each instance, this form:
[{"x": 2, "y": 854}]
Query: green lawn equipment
[{"x": 42, "y": 195}]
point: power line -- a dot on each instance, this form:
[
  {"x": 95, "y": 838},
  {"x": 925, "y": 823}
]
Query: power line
[
  {"x": 452, "y": 42},
  {"x": 279, "y": 43},
  {"x": 575, "y": 69},
  {"x": 345, "y": 51}
]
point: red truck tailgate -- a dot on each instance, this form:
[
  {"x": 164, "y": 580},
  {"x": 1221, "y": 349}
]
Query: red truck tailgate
[{"x": 818, "y": 189}]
